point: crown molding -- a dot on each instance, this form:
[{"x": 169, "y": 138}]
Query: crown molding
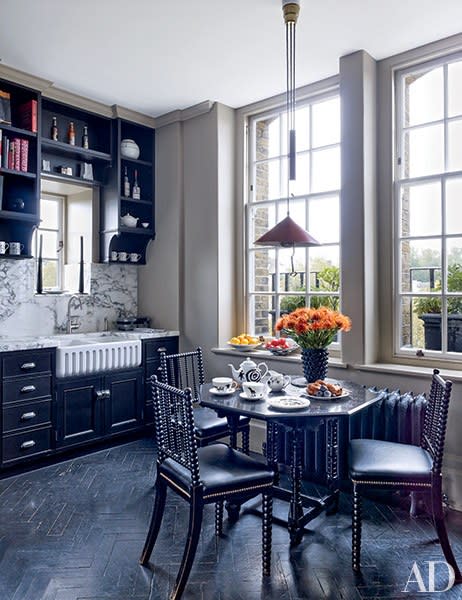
[
  {"x": 78, "y": 101},
  {"x": 25, "y": 79},
  {"x": 183, "y": 115},
  {"x": 132, "y": 115}
]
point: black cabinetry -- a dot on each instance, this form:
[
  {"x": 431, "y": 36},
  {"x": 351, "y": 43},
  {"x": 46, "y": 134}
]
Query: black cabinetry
[
  {"x": 98, "y": 406},
  {"x": 27, "y": 406},
  {"x": 117, "y": 236},
  {"x": 19, "y": 180},
  {"x": 151, "y": 359}
]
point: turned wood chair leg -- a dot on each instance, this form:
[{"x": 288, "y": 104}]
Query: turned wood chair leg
[
  {"x": 196, "y": 509},
  {"x": 246, "y": 440},
  {"x": 356, "y": 530},
  {"x": 267, "y": 506},
  {"x": 156, "y": 519},
  {"x": 440, "y": 526},
  {"x": 219, "y": 518}
]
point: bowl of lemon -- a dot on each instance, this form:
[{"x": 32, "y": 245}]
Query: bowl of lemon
[{"x": 245, "y": 342}]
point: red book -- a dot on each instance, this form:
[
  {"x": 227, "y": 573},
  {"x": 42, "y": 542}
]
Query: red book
[
  {"x": 24, "y": 155},
  {"x": 11, "y": 155},
  {"x": 28, "y": 115},
  {"x": 17, "y": 154}
]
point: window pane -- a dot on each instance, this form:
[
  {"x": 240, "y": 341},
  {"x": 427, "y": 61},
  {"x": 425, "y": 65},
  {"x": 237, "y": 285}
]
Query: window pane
[
  {"x": 302, "y": 124},
  {"x": 262, "y": 315},
  {"x": 262, "y": 218},
  {"x": 420, "y": 265},
  {"x": 454, "y": 259},
  {"x": 49, "y": 213},
  {"x": 455, "y": 89},
  {"x": 424, "y": 151},
  {"x": 289, "y": 303},
  {"x": 324, "y": 219},
  {"x": 455, "y": 324},
  {"x": 424, "y": 100},
  {"x": 262, "y": 270},
  {"x": 268, "y": 181},
  {"x": 421, "y": 209},
  {"x": 50, "y": 244},
  {"x": 455, "y": 145},
  {"x": 454, "y": 205},
  {"x": 50, "y": 273},
  {"x": 289, "y": 281},
  {"x": 421, "y": 322},
  {"x": 326, "y": 122},
  {"x": 324, "y": 269},
  {"x": 267, "y": 138},
  {"x": 301, "y": 185},
  {"x": 326, "y": 170}
]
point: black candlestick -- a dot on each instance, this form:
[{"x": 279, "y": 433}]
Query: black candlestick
[
  {"x": 81, "y": 266},
  {"x": 39, "y": 268}
]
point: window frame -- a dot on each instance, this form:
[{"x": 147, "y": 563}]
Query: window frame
[
  {"x": 278, "y": 109},
  {"x": 60, "y": 199}
]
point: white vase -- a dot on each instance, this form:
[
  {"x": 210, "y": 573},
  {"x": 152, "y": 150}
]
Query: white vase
[{"x": 129, "y": 149}]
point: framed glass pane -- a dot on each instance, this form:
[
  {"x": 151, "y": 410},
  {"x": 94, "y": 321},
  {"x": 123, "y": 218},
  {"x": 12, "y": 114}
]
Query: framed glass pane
[
  {"x": 324, "y": 219},
  {"x": 326, "y": 170},
  {"x": 421, "y": 322},
  {"x": 324, "y": 269},
  {"x": 455, "y": 89},
  {"x": 267, "y": 138},
  {"x": 268, "y": 180},
  {"x": 326, "y": 122},
  {"x": 454, "y": 324},
  {"x": 454, "y": 205},
  {"x": 50, "y": 243},
  {"x": 420, "y": 265},
  {"x": 301, "y": 185},
  {"x": 289, "y": 303},
  {"x": 289, "y": 281},
  {"x": 455, "y": 145},
  {"x": 262, "y": 315},
  {"x": 424, "y": 97},
  {"x": 262, "y": 270},
  {"x": 261, "y": 219},
  {"x": 302, "y": 124},
  {"x": 454, "y": 262},
  {"x": 50, "y": 273},
  {"x": 424, "y": 151},
  {"x": 421, "y": 209},
  {"x": 49, "y": 214}
]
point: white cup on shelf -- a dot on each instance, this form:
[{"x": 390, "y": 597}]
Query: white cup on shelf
[
  {"x": 123, "y": 256},
  {"x": 4, "y": 247}
]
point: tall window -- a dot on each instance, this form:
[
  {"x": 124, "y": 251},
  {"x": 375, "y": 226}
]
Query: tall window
[
  {"x": 51, "y": 230},
  {"x": 272, "y": 287},
  {"x": 428, "y": 207}
]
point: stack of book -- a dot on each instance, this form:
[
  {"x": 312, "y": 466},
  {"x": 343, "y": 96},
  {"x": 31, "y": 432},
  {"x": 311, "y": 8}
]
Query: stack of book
[
  {"x": 27, "y": 114},
  {"x": 14, "y": 153}
]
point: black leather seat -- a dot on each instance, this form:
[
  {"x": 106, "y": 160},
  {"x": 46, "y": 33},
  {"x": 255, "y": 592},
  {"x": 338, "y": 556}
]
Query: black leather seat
[
  {"x": 392, "y": 465},
  {"x": 187, "y": 370},
  {"x": 201, "y": 476}
]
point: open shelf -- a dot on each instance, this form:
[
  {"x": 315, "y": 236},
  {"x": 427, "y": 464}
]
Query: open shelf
[
  {"x": 134, "y": 230},
  {"x": 28, "y": 175},
  {"x": 18, "y": 130},
  {"x": 15, "y": 256},
  {"x": 128, "y": 199},
  {"x": 69, "y": 178},
  {"x": 18, "y": 216},
  {"x": 76, "y": 152},
  {"x": 137, "y": 161}
]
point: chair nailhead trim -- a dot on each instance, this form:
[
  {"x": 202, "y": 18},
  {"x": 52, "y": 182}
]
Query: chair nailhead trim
[
  {"x": 369, "y": 482},
  {"x": 180, "y": 489},
  {"x": 234, "y": 491}
]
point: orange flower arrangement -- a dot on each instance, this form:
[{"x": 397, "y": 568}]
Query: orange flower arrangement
[{"x": 313, "y": 327}]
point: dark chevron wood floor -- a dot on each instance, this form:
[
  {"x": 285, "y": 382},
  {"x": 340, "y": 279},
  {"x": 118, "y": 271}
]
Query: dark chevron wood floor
[{"x": 74, "y": 531}]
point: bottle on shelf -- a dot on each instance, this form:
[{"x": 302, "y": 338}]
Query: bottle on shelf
[
  {"x": 71, "y": 134},
  {"x": 85, "y": 137},
  {"x": 54, "y": 130},
  {"x": 126, "y": 189},
  {"x": 136, "y": 192}
]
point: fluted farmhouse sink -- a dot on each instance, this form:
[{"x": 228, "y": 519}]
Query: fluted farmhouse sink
[{"x": 80, "y": 355}]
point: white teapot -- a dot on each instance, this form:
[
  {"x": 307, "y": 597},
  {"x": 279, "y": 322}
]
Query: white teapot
[
  {"x": 129, "y": 221},
  {"x": 277, "y": 381},
  {"x": 249, "y": 371}
]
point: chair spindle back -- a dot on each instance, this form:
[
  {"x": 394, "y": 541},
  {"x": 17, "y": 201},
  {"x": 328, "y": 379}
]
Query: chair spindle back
[
  {"x": 183, "y": 370},
  {"x": 436, "y": 417}
]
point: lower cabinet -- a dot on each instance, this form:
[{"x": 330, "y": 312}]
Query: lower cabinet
[{"x": 93, "y": 407}]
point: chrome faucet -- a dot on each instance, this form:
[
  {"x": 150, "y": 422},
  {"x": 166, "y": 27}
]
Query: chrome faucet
[{"x": 73, "y": 322}]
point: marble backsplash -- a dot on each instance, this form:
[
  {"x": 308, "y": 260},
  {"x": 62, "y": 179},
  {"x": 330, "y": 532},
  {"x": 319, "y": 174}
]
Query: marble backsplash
[{"x": 112, "y": 293}]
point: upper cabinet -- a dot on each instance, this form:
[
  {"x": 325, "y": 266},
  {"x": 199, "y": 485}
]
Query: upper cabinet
[
  {"x": 19, "y": 159},
  {"x": 127, "y": 208}
]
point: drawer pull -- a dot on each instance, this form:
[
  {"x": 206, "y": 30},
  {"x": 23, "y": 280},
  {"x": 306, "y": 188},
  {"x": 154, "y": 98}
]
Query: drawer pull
[
  {"x": 28, "y": 416},
  {"x": 28, "y": 366},
  {"x": 162, "y": 349},
  {"x": 28, "y": 444},
  {"x": 28, "y": 388},
  {"x": 103, "y": 394}
]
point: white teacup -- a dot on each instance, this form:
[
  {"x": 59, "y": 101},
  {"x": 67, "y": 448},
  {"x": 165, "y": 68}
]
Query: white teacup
[
  {"x": 134, "y": 257},
  {"x": 277, "y": 381},
  {"x": 224, "y": 384},
  {"x": 114, "y": 255},
  {"x": 254, "y": 390},
  {"x": 16, "y": 248},
  {"x": 4, "y": 247},
  {"x": 123, "y": 256}
]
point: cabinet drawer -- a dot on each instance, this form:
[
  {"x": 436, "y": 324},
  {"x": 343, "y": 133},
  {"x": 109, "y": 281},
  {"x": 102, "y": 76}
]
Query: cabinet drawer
[
  {"x": 152, "y": 348},
  {"x": 22, "y": 445},
  {"x": 25, "y": 415},
  {"x": 26, "y": 388},
  {"x": 26, "y": 363},
  {"x": 152, "y": 368}
]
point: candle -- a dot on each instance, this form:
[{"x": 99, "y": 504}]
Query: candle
[
  {"x": 39, "y": 267},
  {"x": 81, "y": 266}
]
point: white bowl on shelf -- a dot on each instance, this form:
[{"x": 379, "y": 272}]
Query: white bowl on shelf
[
  {"x": 145, "y": 225},
  {"x": 129, "y": 149}
]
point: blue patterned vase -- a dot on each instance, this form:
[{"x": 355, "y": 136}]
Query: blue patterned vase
[{"x": 314, "y": 363}]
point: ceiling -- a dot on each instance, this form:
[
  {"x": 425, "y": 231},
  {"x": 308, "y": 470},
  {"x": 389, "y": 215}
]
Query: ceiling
[{"x": 155, "y": 56}]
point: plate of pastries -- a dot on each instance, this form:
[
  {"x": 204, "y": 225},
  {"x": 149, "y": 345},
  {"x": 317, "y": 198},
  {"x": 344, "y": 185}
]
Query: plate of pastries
[{"x": 322, "y": 389}]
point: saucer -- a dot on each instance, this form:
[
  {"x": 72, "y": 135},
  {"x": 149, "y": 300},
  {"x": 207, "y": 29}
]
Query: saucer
[
  {"x": 216, "y": 392},
  {"x": 244, "y": 396}
]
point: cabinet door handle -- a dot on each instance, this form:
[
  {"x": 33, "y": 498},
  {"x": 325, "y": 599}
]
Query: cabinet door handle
[
  {"x": 28, "y": 416},
  {"x": 28, "y": 444},
  {"x": 27, "y": 388},
  {"x": 162, "y": 349},
  {"x": 103, "y": 394},
  {"x": 28, "y": 366}
]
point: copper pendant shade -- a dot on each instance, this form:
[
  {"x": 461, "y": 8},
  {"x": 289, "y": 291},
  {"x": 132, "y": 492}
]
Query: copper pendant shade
[{"x": 287, "y": 233}]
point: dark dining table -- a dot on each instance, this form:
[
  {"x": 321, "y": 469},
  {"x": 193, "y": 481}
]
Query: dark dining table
[{"x": 327, "y": 412}]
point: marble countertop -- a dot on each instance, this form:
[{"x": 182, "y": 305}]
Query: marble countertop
[{"x": 29, "y": 342}]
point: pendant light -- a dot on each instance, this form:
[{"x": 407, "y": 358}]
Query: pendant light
[{"x": 286, "y": 233}]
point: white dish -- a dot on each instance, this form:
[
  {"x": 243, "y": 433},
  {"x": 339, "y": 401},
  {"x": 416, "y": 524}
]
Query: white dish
[
  {"x": 344, "y": 394},
  {"x": 278, "y": 351},
  {"x": 245, "y": 347},
  {"x": 288, "y": 403},
  {"x": 244, "y": 396},
  {"x": 216, "y": 392}
]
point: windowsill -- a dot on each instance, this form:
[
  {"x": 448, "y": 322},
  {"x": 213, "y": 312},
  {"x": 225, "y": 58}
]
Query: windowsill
[
  {"x": 61, "y": 293},
  {"x": 291, "y": 358},
  {"x": 411, "y": 370}
]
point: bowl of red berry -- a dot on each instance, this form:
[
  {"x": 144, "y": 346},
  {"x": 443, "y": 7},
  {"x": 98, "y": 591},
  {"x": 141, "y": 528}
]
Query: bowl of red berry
[{"x": 281, "y": 346}]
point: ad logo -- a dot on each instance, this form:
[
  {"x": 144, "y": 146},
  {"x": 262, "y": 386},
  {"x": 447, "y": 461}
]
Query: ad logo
[{"x": 422, "y": 581}]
